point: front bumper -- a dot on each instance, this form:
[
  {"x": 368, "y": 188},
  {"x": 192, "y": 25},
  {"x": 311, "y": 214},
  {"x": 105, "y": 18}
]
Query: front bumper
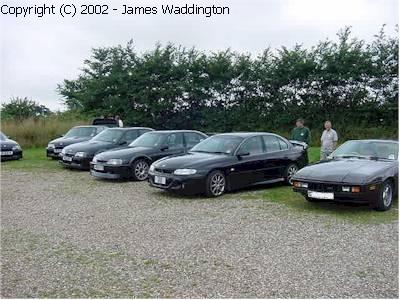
[
  {"x": 110, "y": 171},
  {"x": 80, "y": 163},
  {"x": 17, "y": 154},
  {"x": 50, "y": 152},
  {"x": 188, "y": 184},
  {"x": 364, "y": 196}
]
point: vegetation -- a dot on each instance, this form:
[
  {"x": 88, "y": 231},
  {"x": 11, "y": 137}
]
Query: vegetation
[
  {"x": 23, "y": 108},
  {"x": 350, "y": 81}
]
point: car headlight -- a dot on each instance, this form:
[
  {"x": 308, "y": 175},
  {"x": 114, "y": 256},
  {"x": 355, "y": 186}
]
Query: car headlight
[
  {"x": 63, "y": 151},
  {"x": 16, "y": 148},
  {"x": 80, "y": 154},
  {"x": 300, "y": 184},
  {"x": 115, "y": 161},
  {"x": 185, "y": 171},
  {"x": 94, "y": 159},
  {"x": 152, "y": 168},
  {"x": 50, "y": 146}
]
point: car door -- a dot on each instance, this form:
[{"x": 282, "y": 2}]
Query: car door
[
  {"x": 192, "y": 139},
  {"x": 248, "y": 168},
  {"x": 174, "y": 145},
  {"x": 275, "y": 158}
]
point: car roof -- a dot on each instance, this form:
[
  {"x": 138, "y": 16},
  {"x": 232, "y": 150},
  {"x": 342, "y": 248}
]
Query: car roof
[
  {"x": 375, "y": 140},
  {"x": 89, "y": 126},
  {"x": 179, "y": 130},
  {"x": 245, "y": 134},
  {"x": 129, "y": 128}
]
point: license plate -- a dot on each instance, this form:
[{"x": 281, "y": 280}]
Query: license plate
[
  {"x": 6, "y": 153},
  {"x": 67, "y": 158},
  {"x": 98, "y": 167},
  {"x": 160, "y": 180},
  {"x": 321, "y": 195},
  {"x": 57, "y": 150}
]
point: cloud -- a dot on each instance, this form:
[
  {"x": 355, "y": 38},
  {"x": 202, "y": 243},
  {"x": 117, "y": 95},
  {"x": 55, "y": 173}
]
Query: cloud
[{"x": 38, "y": 53}]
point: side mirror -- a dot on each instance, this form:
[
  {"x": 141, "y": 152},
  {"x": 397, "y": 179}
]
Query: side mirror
[
  {"x": 243, "y": 153},
  {"x": 164, "y": 147},
  {"x": 123, "y": 143}
]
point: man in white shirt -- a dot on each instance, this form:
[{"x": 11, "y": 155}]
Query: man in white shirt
[
  {"x": 120, "y": 123},
  {"x": 329, "y": 140}
]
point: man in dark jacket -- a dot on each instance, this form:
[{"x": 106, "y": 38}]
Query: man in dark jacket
[{"x": 301, "y": 133}]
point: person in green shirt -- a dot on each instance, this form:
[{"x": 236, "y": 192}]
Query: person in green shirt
[{"x": 301, "y": 133}]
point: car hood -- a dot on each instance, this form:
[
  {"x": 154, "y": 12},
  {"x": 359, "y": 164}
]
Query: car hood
[
  {"x": 63, "y": 141},
  {"x": 192, "y": 160},
  {"x": 126, "y": 153},
  {"x": 343, "y": 170},
  {"x": 90, "y": 147},
  {"x": 8, "y": 143}
]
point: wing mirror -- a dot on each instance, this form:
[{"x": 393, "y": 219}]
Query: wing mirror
[
  {"x": 122, "y": 143},
  {"x": 164, "y": 147},
  {"x": 243, "y": 153}
]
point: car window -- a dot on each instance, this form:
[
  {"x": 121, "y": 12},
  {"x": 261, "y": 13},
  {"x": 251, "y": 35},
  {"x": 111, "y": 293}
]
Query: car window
[
  {"x": 141, "y": 131},
  {"x": 130, "y": 135},
  {"x": 283, "y": 144},
  {"x": 100, "y": 129},
  {"x": 253, "y": 146},
  {"x": 271, "y": 143},
  {"x": 175, "y": 140},
  {"x": 192, "y": 139}
]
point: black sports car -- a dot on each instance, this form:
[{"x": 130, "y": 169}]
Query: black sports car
[
  {"x": 229, "y": 161},
  {"x": 9, "y": 149},
  {"x": 134, "y": 161},
  {"x": 75, "y": 135},
  {"x": 358, "y": 171},
  {"x": 79, "y": 155}
]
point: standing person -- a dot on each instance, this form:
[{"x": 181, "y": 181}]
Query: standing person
[
  {"x": 329, "y": 140},
  {"x": 301, "y": 133},
  {"x": 120, "y": 123}
]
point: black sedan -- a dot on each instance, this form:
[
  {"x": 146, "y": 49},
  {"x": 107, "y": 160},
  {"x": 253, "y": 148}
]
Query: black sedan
[
  {"x": 79, "y": 155},
  {"x": 10, "y": 149},
  {"x": 134, "y": 161},
  {"x": 75, "y": 135},
  {"x": 364, "y": 171},
  {"x": 229, "y": 161}
]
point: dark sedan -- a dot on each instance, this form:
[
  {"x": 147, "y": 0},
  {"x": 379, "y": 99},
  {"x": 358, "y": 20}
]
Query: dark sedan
[
  {"x": 229, "y": 161},
  {"x": 10, "y": 149},
  {"x": 134, "y": 161},
  {"x": 75, "y": 135},
  {"x": 364, "y": 171},
  {"x": 79, "y": 155}
]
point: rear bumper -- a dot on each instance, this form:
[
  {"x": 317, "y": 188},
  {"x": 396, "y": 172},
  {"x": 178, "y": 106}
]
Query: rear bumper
[
  {"x": 111, "y": 172},
  {"x": 191, "y": 184},
  {"x": 81, "y": 163}
]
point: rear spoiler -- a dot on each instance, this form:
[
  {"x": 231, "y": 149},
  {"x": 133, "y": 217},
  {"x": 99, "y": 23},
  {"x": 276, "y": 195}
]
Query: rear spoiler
[
  {"x": 105, "y": 122},
  {"x": 299, "y": 144}
]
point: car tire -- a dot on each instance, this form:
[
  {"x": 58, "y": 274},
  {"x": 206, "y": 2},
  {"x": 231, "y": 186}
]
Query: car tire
[
  {"x": 385, "y": 197},
  {"x": 215, "y": 184},
  {"x": 140, "y": 170},
  {"x": 290, "y": 170}
]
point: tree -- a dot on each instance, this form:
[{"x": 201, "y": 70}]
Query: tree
[{"x": 23, "y": 108}]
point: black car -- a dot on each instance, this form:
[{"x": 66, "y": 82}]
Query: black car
[
  {"x": 75, "y": 135},
  {"x": 134, "y": 161},
  {"x": 363, "y": 171},
  {"x": 229, "y": 161},
  {"x": 9, "y": 149},
  {"x": 79, "y": 155}
]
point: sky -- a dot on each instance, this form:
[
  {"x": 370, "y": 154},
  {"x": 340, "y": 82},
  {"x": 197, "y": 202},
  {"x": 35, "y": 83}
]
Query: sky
[{"x": 39, "y": 53}]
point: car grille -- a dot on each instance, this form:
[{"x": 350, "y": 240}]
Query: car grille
[
  {"x": 324, "y": 187},
  {"x": 165, "y": 171}
]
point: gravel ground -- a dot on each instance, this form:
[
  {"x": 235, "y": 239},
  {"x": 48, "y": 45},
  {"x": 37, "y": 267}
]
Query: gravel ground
[{"x": 65, "y": 234}]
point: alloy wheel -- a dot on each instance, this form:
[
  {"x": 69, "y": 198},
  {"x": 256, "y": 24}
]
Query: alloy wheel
[
  {"x": 290, "y": 172},
  {"x": 387, "y": 194},
  {"x": 141, "y": 170},
  {"x": 217, "y": 184}
]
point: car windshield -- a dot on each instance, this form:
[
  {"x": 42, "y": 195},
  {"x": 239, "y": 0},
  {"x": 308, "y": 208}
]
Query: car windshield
[
  {"x": 2, "y": 137},
  {"x": 368, "y": 149},
  {"x": 150, "y": 139},
  {"x": 109, "y": 135},
  {"x": 221, "y": 144},
  {"x": 81, "y": 132}
]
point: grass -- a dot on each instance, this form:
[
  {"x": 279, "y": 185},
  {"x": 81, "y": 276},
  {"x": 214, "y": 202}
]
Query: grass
[{"x": 34, "y": 159}]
